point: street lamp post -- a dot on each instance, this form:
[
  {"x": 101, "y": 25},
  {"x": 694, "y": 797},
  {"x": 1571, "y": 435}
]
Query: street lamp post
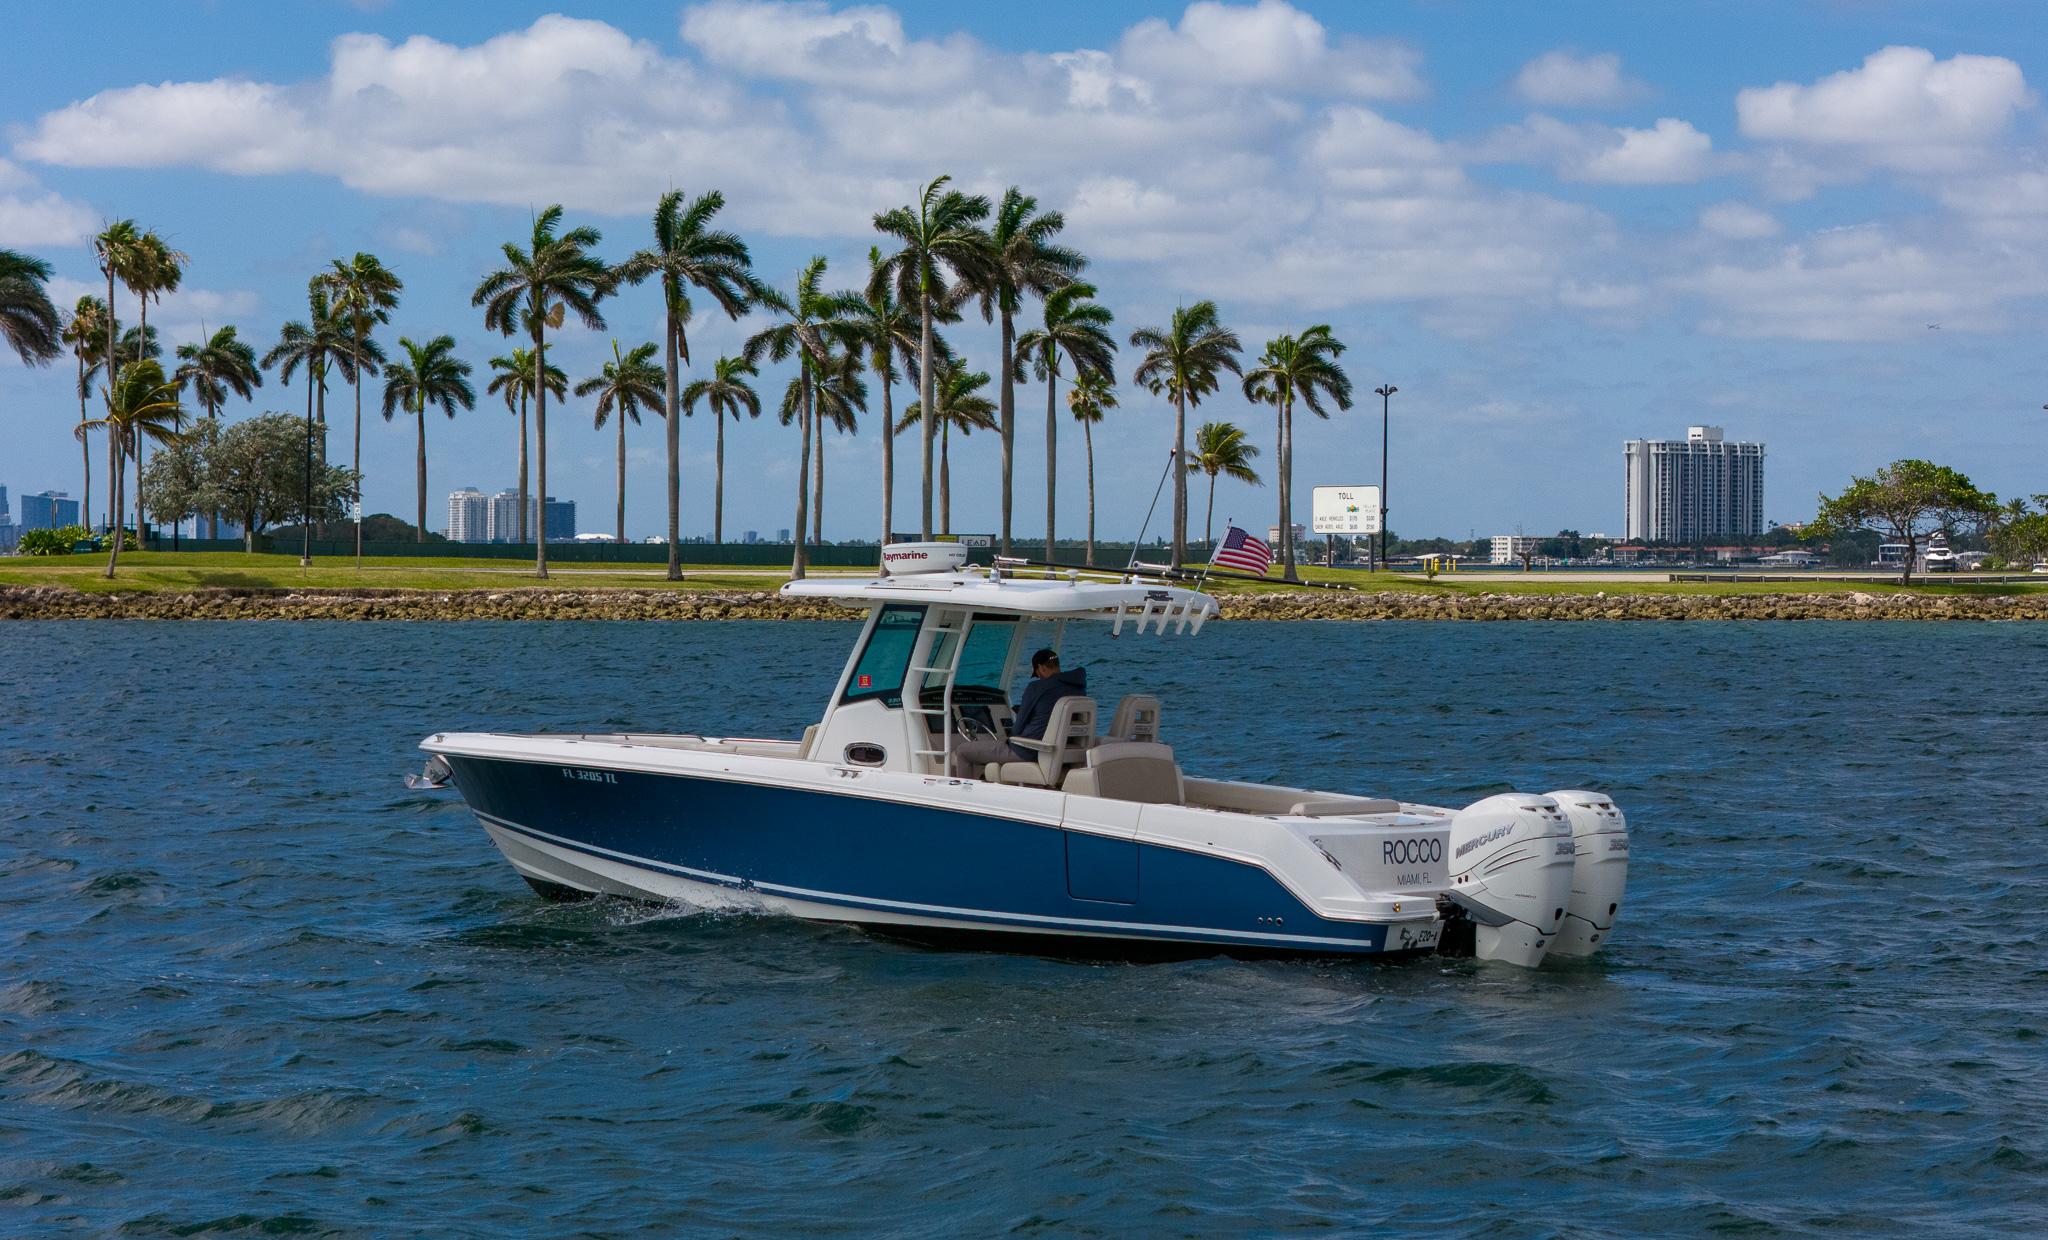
[
  {"x": 306, "y": 497},
  {"x": 1385, "y": 392}
]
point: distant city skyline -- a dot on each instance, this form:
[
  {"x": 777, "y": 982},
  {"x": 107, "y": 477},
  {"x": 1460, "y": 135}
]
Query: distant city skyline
[{"x": 1553, "y": 228}]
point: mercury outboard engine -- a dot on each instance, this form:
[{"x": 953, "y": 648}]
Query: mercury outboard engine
[
  {"x": 1511, "y": 869},
  {"x": 1599, "y": 871}
]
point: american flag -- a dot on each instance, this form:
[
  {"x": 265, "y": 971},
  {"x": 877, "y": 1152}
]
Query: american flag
[{"x": 1241, "y": 551}]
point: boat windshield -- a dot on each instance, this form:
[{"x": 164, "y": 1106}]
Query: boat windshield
[{"x": 983, "y": 671}]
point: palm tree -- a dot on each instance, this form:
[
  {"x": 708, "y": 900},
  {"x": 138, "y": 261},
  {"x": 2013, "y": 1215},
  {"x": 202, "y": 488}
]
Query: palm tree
[
  {"x": 365, "y": 292},
  {"x": 818, "y": 330},
  {"x": 28, "y": 318},
  {"x": 962, "y": 407},
  {"x": 629, "y": 383},
  {"x": 86, "y": 334},
  {"x": 1181, "y": 361},
  {"x": 726, "y": 392},
  {"x": 688, "y": 254},
  {"x": 512, "y": 379},
  {"x": 430, "y": 374},
  {"x": 841, "y": 395},
  {"x": 1093, "y": 394},
  {"x": 1022, "y": 259},
  {"x": 536, "y": 289},
  {"x": 321, "y": 343},
  {"x": 155, "y": 269},
  {"x": 939, "y": 233},
  {"x": 1077, "y": 325},
  {"x": 1221, "y": 448},
  {"x": 122, "y": 254},
  {"x": 140, "y": 401},
  {"x": 221, "y": 365},
  {"x": 1302, "y": 368}
]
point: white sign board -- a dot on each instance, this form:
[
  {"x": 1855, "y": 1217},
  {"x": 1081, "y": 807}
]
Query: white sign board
[{"x": 1345, "y": 510}]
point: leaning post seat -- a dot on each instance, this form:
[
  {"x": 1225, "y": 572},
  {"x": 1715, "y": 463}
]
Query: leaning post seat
[
  {"x": 1136, "y": 718},
  {"x": 1141, "y": 771},
  {"x": 1069, "y": 734}
]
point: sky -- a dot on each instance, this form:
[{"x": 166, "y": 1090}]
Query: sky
[{"x": 1818, "y": 223}]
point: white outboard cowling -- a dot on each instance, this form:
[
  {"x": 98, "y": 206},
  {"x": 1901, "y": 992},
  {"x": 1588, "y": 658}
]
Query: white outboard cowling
[
  {"x": 1599, "y": 870},
  {"x": 1511, "y": 870}
]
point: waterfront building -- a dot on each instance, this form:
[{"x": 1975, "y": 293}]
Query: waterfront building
[
  {"x": 9, "y": 534},
  {"x": 561, "y": 519},
  {"x": 751, "y": 537},
  {"x": 469, "y": 516},
  {"x": 1697, "y": 488},
  {"x": 501, "y": 522},
  {"x": 1509, "y": 548},
  {"x": 782, "y": 536},
  {"x": 48, "y": 511}
]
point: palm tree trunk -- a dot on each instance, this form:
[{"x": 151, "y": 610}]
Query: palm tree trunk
[
  {"x": 1088, "y": 438},
  {"x": 84, "y": 445},
  {"x": 945, "y": 477},
  {"x": 113, "y": 372},
  {"x": 356, "y": 384},
  {"x": 1052, "y": 382},
  {"x": 797, "y": 559},
  {"x": 1180, "y": 479},
  {"x": 925, "y": 393},
  {"x": 672, "y": 439},
  {"x": 115, "y": 473},
  {"x": 320, "y": 400},
  {"x": 141, "y": 342},
  {"x": 818, "y": 490},
  {"x": 1209, "y": 520},
  {"x": 540, "y": 445},
  {"x": 718, "y": 484},
  {"x": 1009, "y": 429},
  {"x": 522, "y": 467},
  {"x": 888, "y": 456},
  {"x": 621, "y": 538},
  {"x": 419, "y": 533},
  {"x": 1287, "y": 489}
]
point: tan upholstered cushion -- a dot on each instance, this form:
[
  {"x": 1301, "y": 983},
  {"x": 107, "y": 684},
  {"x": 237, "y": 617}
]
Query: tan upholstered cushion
[
  {"x": 1335, "y": 806},
  {"x": 1140, "y": 771},
  {"x": 1021, "y": 773}
]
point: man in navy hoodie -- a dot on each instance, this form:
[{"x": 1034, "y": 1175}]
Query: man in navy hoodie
[{"x": 1048, "y": 685}]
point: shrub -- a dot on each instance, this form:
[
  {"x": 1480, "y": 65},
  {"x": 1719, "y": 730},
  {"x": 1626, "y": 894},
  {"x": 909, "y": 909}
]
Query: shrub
[{"x": 54, "y": 542}]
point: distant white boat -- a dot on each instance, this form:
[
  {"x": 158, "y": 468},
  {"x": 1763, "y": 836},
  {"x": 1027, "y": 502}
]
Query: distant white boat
[{"x": 1938, "y": 558}]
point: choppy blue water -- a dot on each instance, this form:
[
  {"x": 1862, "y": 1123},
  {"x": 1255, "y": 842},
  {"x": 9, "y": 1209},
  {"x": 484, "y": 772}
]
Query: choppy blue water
[{"x": 250, "y": 985}]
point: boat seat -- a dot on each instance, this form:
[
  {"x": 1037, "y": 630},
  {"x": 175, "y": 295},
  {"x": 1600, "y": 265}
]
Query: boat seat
[
  {"x": 1334, "y": 807},
  {"x": 1136, "y": 718},
  {"x": 1140, "y": 771},
  {"x": 1068, "y": 736}
]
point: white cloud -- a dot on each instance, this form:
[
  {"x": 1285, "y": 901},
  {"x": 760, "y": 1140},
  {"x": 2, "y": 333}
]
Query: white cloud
[
  {"x": 1270, "y": 45},
  {"x": 1565, "y": 79},
  {"x": 1738, "y": 221},
  {"x": 809, "y": 41},
  {"x": 32, "y": 216},
  {"x": 1902, "y": 109},
  {"x": 1671, "y": 152},
  {"x": 1863, "y": 283}
]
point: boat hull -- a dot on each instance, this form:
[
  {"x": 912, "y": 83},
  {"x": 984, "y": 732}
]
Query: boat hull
[{"x": 906, "y": 869}]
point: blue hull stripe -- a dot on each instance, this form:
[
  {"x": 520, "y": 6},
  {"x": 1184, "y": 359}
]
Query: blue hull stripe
[{"x": 1112, "y": 929}]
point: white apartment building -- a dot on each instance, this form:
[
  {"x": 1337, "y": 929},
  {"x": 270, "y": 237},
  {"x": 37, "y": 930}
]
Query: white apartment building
[
  {"x": 468, "y": 516},
  {"x": 502, "y": 524},
  {"x": 1695, "y": 489},
  {"x": 1508, "y": 548}
]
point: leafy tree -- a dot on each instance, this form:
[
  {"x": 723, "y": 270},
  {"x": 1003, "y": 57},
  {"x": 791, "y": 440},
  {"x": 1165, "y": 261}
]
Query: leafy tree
[
  {"x": 818, "y": 328},
  {"x": 940, "y": 233},
  {"x": 429, "y": 375},
  {"x": 255, "y": 472},
  {"x": 1093, "y": 394},
  {"x": 140, "y": 402},
  {"x": 512, "y": 378},
  {"x": 535, "y": 290},
  {"x": 1078, "y": 326},
  {"x": 223, "y": 364},
  {"x": 629, "y": 383},
  {"x": 725, "y": 392},
  {"x": 1297, "y": 368},
  {"x": 28, "y": 319},
  {"x": 688, "y": 253},
  {"x": 1222, "y": 448},
  {"x": 2020, "y": 535},
  {"x": 1022, "y": 258},
  {"x": 86, "y": 333},
  {"x": 174, "y": 482},
  {"x": 1905, "y": 501},
  {"x": 961, "y": 407},
  {"x": 1182, "y": 361}
]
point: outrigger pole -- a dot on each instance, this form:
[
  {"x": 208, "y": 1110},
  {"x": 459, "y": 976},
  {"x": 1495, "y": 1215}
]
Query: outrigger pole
[{"x": 1167, "y": 572}]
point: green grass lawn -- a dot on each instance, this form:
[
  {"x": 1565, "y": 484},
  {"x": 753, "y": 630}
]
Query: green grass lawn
[{"x": 178, "y": 571}]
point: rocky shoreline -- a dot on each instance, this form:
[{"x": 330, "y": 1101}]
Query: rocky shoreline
[{"x": 537, "y": 603}]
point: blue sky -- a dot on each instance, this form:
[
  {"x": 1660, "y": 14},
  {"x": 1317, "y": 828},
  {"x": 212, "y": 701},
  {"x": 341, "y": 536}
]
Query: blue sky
[{"x": 1553, "y": 226}]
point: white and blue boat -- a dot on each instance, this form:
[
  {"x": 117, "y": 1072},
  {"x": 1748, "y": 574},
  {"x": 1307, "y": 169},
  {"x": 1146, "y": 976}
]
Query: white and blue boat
[{"x": 1100, "y": 845}]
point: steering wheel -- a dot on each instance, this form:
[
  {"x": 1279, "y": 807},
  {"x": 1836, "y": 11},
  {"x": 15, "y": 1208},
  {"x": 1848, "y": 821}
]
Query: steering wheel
[{"x": 973, "y": 727}]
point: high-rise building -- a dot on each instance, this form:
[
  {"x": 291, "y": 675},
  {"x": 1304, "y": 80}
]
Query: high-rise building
[
  {"x": 561, "y": 520},
  {"x": 469, "y": 516},
  {"x": 751, "y": 536},
  {"x": 1695, "y": 489},
  {"x": 9, "y": 535},
  {"x": 501, "y": 522},
  {"x": 48, "y": 511}
]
